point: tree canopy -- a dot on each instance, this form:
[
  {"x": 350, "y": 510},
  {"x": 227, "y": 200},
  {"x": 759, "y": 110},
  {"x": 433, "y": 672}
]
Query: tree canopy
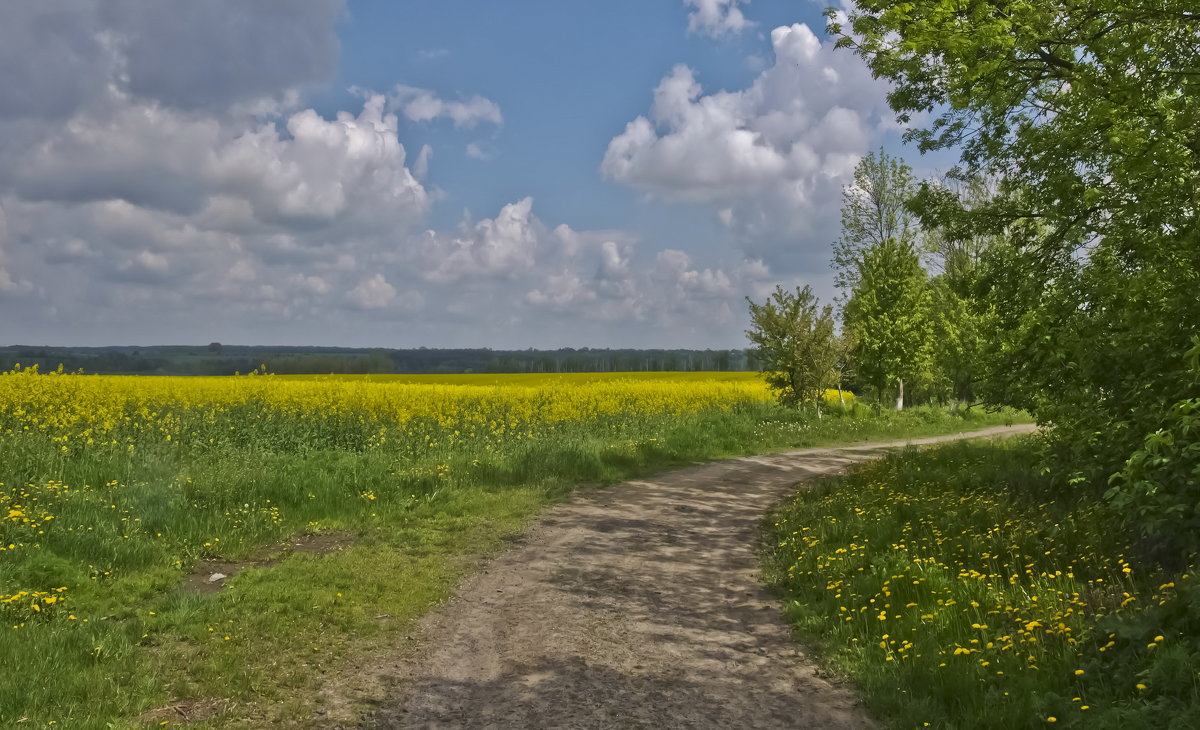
[
  {"x": 1088, "y": 116},
  {"x": 796, "y": 345}
]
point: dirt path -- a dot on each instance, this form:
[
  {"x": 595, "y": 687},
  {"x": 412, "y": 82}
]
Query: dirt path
[{"x": 637, "y": 606}]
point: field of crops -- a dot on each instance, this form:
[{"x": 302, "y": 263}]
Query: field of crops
[
  {"x": 76, "y": 448},
  {"x": 118, "y": 493}
]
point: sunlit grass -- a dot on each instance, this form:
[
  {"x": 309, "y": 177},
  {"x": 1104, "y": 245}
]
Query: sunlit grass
[
  {"x": 959, "y": 592},
  {"x": 113, "y": 489}
]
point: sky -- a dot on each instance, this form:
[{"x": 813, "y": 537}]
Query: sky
[{"x": 438, "y": 173}]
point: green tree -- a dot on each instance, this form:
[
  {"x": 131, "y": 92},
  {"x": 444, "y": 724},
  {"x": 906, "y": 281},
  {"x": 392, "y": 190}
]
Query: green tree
[
  {"x": 1092, "y": 113},
  {"x": 961, "y": 316},
  {"x": 959, "y": 349},
  {"x": 888, "y": 317},
  {"x": 795, "y": 345},
  {"x": 874, "y": 210}
]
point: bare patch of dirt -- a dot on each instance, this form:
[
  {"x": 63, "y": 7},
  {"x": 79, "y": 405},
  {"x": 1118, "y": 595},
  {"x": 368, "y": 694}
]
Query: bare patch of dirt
[
  {"x": 637, "y": 606},
  {"x": 186, "y": 711},
  {"x": 200, "y": 579}
]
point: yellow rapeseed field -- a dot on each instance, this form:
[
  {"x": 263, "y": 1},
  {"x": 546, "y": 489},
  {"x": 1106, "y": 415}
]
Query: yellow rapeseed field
[
  {"x": 71, "y": 442},
  {"x": 79, "y": 410}
]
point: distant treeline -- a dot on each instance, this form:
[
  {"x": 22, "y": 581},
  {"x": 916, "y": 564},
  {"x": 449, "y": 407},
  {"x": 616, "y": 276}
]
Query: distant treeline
[{"x": 218, "y": 359}]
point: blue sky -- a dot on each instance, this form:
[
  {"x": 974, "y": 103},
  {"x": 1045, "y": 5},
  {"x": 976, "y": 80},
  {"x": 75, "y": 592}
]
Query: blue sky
[{"x": 532, "y": 173}]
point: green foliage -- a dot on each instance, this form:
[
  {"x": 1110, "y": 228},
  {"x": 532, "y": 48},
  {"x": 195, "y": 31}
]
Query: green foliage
[
  {"x": 960, "y": 589},
  {"x": 1089, "y": 114},
  {"x": 795, "y": 345},
  {"x": 888, "y": 316},
  {"x": 1159, "y": 486},
  {"x": 959, "y": 350},
  {"x": 874, "y": 210}
]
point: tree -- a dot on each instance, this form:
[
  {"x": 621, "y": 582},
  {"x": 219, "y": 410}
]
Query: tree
[
  {"x": 1091, "y": 112},
  {"x": 795, "y": 345},
  {"x": 958, "y": 333},
  {"x": 888, "y": 318},
  {"x": 874, "y": 210},
  {"x": 960, "y": 315}
]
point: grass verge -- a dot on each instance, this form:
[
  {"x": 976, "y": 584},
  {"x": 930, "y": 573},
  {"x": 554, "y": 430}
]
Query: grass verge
[
  {"x": 126, "y": 646},
  {"x": 957, "y": 590}
]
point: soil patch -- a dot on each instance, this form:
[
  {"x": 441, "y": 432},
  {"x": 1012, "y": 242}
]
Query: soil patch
[
  {"x": 209, "y": 576},
  {"x": 187, "y": 711}
]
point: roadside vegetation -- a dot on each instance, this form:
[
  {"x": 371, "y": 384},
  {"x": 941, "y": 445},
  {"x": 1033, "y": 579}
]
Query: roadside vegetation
[
  {"x": 339, "y": 508},
  {"x": 960, "y": 589},
  {"x": 1055, "y": 270}
]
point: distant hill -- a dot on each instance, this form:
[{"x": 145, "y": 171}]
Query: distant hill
[{"x": 218, "y": 359}]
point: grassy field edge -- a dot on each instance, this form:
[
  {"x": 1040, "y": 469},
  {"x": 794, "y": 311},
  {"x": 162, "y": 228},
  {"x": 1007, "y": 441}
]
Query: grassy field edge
[
  {"x": 956, "y": 588},
  {"x": 262, "y": 650}
]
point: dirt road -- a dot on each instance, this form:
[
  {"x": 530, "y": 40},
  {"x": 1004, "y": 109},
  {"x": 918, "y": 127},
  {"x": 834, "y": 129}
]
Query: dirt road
[{"x": 636, "y": 606}]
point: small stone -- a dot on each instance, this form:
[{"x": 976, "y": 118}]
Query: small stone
[{"x": 216, "y": 577}]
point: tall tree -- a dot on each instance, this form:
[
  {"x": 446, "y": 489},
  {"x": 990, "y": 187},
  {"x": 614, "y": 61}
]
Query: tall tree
[
  {"x": 1091, "y": 112},
  {"x": 795, "y": 344},
  {"x": 888, "y": 317},
  {"x": 955, "y": 256},
  {"x": 874, "y": 210}
]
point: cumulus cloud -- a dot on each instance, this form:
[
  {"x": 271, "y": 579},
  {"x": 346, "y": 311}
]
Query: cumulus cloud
[
  {"x": 716, "y": 18},
  {"x": 423, "y": 105},
  {"x": 61, "y": 55},
  {"x": 771, "y": 158},
  {"x": 373, "y": 293},
  {"x": 311, "y": 171},
  {"x": 494, "y": 247},
  {"x": 174, "y": 188}
]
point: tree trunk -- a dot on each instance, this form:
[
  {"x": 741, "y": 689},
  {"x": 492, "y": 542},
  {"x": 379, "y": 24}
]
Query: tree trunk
[{"x": 900, "y": 397}]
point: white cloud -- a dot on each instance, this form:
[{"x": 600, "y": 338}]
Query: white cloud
[
  {"x": 500, "y": 246},
  {"x": 771, "y": 158},
  {"x": 423, "y": 105},
  {"x": 420, "y": 168},
  {"x": 247, "y": 173},
  {"x": 373, "y": 293},
  {"x": 139, "y": 195},
  {"x": 716, "y": 18}
]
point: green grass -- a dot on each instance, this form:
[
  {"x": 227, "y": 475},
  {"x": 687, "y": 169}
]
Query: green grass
[
  {"x": 958, "y": 590},
  {"x": 125, "y": 639}
]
